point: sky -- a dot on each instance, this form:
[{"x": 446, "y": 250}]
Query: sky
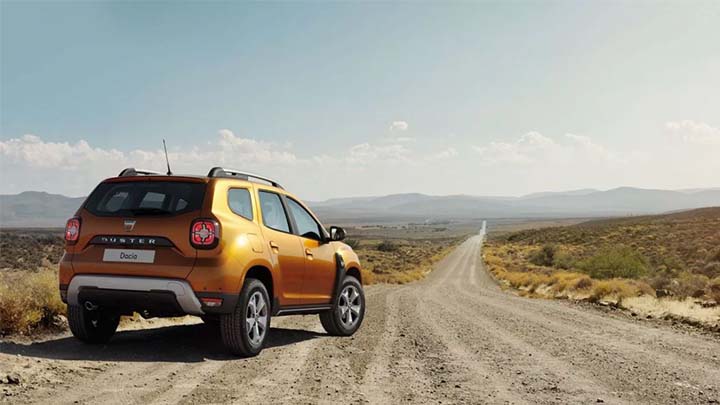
[{"x": 356, "y": 99}]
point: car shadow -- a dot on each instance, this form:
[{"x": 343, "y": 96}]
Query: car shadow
[{"x": 181, "y": 343}]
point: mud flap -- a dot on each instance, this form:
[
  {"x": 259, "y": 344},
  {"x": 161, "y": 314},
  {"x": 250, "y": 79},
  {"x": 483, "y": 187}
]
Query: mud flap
[{"x": 339, "y": 276}]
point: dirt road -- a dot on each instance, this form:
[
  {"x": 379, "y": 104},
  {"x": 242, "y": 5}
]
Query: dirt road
[{"x": 453, "y": 338}]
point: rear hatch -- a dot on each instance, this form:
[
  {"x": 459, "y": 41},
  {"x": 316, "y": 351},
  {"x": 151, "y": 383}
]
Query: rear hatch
[{"x": 139, "y": 226}]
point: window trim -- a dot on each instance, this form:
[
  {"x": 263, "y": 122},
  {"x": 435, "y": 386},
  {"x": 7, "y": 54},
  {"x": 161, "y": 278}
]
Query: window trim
[
  {"x": 252, "y": 212},
  {"x": 290, "y": 221}
]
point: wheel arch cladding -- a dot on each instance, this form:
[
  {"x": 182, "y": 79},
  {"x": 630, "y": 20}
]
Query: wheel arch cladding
[
  {"x": 355, "y": 272},
  {"x": 265, "y": 276}
]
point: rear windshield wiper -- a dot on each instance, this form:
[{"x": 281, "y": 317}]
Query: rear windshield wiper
[{"x": 150, "y": 211}]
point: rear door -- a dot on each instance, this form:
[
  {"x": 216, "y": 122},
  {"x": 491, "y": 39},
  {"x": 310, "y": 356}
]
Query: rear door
[
  {"x": 139, "y": 226},
  {"x": 285, "y": 247},
  {"x": 320, "y": 269}
]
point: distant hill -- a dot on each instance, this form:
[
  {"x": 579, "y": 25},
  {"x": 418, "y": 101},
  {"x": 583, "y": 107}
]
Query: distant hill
[
  {"x": 39, "y": 209},
  {"x": 581, "y": 203}
]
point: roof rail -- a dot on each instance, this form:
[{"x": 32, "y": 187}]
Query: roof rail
[
  {"x": 131, "y": 171},
  {"x": 223, "y": 172}
]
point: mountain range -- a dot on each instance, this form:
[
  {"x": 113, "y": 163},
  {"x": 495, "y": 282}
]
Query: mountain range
[{"x": 40, "y": 209}]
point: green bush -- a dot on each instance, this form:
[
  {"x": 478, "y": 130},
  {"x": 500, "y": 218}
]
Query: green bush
[
  {"x": 388, "y": 246},
  {"x": 689, "y": 285},
  {"x": 614, "y": 262},
  {"x": 544, "y": 256},
  {"x": 711, "y": 269},
  {"x": 353, "y": 243}
]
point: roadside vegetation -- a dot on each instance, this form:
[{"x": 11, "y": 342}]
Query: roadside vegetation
[
  {"x": 673, "y": 257},
  {"x": 30, "y": 300}
]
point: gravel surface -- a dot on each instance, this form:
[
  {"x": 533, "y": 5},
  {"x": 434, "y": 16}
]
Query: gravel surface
[{"x": 454, "y": 337}]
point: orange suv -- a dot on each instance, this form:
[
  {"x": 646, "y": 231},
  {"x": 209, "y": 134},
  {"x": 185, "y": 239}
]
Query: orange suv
[{"x": 231, "y": 247}]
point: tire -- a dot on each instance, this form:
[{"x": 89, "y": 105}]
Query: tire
[
  {"x": 345, "y": 319},
  {"x": 211, "y": 321},
  {"x": 242, "y": 331},
  {"x": 96, "y": 326}
]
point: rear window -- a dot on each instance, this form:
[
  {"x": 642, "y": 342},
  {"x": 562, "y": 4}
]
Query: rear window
[{"x": 145, "y": 198}]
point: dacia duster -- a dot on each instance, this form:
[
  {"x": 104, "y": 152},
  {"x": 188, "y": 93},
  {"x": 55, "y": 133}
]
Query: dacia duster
[{"x": 231, "y": 247}]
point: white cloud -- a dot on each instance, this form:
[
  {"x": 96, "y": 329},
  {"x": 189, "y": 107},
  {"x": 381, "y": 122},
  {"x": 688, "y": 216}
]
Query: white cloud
[
  {"x": 447, "y": 153},
  {"x": 526, "y": 149},
  {"x": 695, "y": 132},
  {"x": 366, "y": 153},
  {"x": 61, "y": 155},
  {"x": 530, "y": 162},
  {"x": 399, "y": 126},
  {"x": 228, "y": 148}
]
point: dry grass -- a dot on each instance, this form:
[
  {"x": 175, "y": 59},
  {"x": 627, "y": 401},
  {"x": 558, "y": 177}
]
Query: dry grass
[
  {"x": 411, "y": 260},
  {"x": 29, "y": 300},
  {"x": 633, "y": 260}
]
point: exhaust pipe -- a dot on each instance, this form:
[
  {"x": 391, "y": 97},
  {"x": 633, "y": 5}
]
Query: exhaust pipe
[{"x": 90, "y": 306}]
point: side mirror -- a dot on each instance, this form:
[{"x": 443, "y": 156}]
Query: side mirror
[{"x": 337, "y": 233}]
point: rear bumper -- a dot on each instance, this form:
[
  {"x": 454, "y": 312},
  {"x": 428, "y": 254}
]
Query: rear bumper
[{"x": 160, "y": 296}]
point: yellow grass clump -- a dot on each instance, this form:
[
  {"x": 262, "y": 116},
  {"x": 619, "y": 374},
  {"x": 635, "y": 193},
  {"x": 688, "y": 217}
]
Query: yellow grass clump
[{"x": 28, "y": 300}]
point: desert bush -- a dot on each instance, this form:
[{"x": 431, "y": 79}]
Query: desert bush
[
  {"x": 660, "y": 281},
  {"x": 614, "y": 288},
  {"x": 711, "y": 270},
  {"x": 689, "y": 285},
  {"x": 353, "y": 243},
  {"x": 388, "y": 246},
  {"x": 615, "y": 262},
  {"x": 545, "y": 256},
  {"x": 583, "y": 283},
  {"x": 714, "y": 256},
  {"x": 564, "y": 260},
  {"x": 713, "y": 290},
  {"x": 28, "y": 300}
]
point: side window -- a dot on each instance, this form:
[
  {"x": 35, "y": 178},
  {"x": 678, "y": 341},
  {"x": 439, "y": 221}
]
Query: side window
[
  {"x": 307, "y": 227},
  {"x": 273, "y": 213},
  {"x": 239, "y": 202}
]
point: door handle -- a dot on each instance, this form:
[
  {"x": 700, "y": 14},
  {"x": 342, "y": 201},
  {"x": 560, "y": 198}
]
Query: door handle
[
  {"x": 274, "y": 245},
  {"x": 309, "y": 252}
]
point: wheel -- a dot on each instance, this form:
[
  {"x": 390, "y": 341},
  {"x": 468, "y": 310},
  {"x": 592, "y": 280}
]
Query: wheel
[
  {"x": 348, "y": 309},
  {"x": 244, "y": 331},
  {"x": 96, "y": 326}
]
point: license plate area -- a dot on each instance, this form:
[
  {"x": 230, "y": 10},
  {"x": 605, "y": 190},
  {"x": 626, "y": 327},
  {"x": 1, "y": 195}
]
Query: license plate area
[{"x": 129, "y": 256}]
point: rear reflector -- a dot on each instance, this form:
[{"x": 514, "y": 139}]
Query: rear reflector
[
  {"x": 212, "y": 302},
  {"x": 204, "y": 233},
  {"x": 72, "y": 230}
]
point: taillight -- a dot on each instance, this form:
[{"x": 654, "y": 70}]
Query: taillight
[
  {"x": 72, "y": 230},
  {"x": 204, "y": 233}
]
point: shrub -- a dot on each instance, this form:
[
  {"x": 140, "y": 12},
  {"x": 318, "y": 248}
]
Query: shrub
[
  {"x": 615, "y": 262},
  {"x": 388, "y": 246},
  {"x": 615, "y": 288},
  {"x": 619, "y": 289},
  {"x": 583, "y": 283},
  {"x": 713, "y": 290},
  {"x": 689, "y": 285},
  {"x": 353, "y": 243},
  {"x": 564, "y": 261},
  {"x": 714, "y": 256},
  {"x": 544, "y": 256},
  {"x": 28, "y": 300},
  {"x": 711, "y": 269}
]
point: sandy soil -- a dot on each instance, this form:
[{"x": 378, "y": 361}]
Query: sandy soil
[{"x": 455, "y": 337}]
